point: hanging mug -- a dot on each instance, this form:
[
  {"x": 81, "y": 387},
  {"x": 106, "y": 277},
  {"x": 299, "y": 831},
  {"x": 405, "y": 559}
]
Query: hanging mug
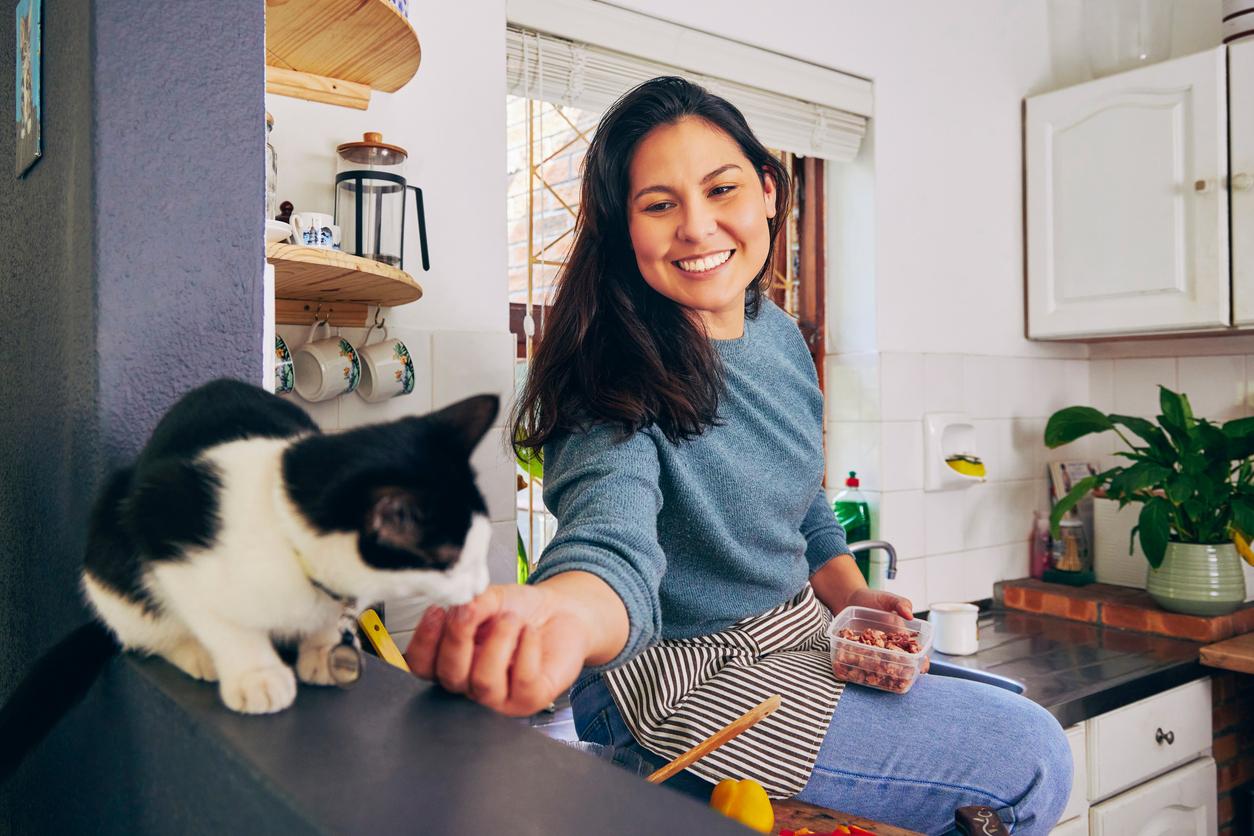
[
  {"x": 387, "y": 370},
  {"x": 284, "y": 376},
  {"x": 314, "y": 229},
  {"x": 326, "y": 368}
]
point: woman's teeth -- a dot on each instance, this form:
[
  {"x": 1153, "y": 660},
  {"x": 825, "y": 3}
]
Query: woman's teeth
[{"x": 701, "y": 265}]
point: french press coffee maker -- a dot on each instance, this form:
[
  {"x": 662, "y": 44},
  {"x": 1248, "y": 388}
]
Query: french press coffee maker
[{"x": 370, "y": 198}]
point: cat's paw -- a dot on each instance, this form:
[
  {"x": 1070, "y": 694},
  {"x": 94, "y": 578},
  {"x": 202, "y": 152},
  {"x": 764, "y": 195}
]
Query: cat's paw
[
  {"x": 192, "y": 659},
  {"x": 261, "y": 691},
  {"x": 313, "y": 663}
]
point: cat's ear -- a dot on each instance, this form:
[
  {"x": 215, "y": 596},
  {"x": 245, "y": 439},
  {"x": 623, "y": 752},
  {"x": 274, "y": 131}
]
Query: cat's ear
[{"x": 469, "y": 419}]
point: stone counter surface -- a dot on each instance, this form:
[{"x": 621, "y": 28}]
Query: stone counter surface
[{"x": 1074, "y": 669}]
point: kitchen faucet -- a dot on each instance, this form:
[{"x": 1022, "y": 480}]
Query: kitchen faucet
[{"x": 867, "y": 545}]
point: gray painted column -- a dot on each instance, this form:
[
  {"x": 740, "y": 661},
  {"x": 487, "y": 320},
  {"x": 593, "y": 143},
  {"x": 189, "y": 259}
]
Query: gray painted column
[{"x": 131, "y": 272}]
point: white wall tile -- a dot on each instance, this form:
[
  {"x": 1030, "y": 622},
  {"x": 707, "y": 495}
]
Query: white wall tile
[
  {"x": 1101, "y": 385},
  {"x": 965, "y": 576},
  {"x": 354, "y": 411},
  {"x": 1249, "y": 385},
  {"x": 1076, "y": 384},
  {"x": 1049, "y": 385},
  {"x": 466, "y": 363},
  {"x": 503, "y": 553},
  {"x": 999, "y": 512},
  {"x": 942, "y": 383},
  {"x": 1020, "y": 384},
  {"x": 326, "y": 414},
  {"x": 1022, "y": 442},
  {"x": 1136, "y": 383},
  {"x": 852, "y": 387},
  {"x": 901, "y": 386},
  {"x": 980, "y": 384},
  {"x": 853, "y": 445},
  {"x": 1216, "y": 386},
  {"x": 902, "y": 455},
  {"x": 945, "y": 517},
  {"x": 495, "y": 472},
  {"x": 901, "y": 520},
  {"x": 988, "y": 444}
]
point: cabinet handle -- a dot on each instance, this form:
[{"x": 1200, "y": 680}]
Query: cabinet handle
[
  {"x": 1242, "y": 182},
  {"x": 1160, "y": 737},
  {"x": 1201, "y": 186}
]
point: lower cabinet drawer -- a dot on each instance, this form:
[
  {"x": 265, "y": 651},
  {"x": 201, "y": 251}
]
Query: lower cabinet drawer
[
  {"x": 1072, "y": 827},
  {"x": 1147, "y": 738},
  {"x": 1078, "y": 803},
  {"x": 1180, "y": 803}
]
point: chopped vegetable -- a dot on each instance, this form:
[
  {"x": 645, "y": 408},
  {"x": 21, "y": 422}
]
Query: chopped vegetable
[{"x": 744, "y": 801}]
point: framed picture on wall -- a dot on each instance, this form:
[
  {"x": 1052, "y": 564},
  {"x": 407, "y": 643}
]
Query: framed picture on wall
[{"x": 29, "y": 137}]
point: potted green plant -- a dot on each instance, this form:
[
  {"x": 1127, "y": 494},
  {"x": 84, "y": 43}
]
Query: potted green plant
[{"x": 1194, "y": 481}]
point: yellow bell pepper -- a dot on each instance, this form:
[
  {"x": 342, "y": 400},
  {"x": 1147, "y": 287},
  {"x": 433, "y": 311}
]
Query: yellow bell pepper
[{"x": 744, "y": 801}]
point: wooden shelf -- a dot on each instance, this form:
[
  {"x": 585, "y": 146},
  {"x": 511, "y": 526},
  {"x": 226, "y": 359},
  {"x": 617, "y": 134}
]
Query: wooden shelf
[
  {"x": 1235, "y": 654},
  {"x": 337, "y": 51},
  {"x": 316, "y": 274}
]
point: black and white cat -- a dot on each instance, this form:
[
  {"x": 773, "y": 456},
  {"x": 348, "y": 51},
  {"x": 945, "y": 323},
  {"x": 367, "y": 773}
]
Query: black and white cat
[{"x": 240, "y": 523}]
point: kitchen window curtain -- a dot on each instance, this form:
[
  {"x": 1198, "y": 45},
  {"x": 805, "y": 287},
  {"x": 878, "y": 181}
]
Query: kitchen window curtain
[{"x": 546, "y": 68}]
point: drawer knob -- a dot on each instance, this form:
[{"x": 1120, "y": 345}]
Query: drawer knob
[{"x": 1161, "y": 737}]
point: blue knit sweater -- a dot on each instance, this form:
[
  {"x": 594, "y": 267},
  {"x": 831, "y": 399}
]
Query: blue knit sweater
[{"x": 698, "y": 535}]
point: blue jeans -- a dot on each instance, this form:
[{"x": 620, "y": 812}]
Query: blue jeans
[{"x": 905, "y": 759}]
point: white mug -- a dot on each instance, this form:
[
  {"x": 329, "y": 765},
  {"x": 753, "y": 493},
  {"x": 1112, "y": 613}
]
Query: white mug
[
  {"x": 954, "y": 631},
  {"x": 315, "y": 229},
  {"x": 387, "y": 370},
  {"x": 327, "y": 368}
]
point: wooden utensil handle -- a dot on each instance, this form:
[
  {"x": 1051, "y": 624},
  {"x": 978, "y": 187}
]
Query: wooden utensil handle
[{"x": 717, "y": 739}]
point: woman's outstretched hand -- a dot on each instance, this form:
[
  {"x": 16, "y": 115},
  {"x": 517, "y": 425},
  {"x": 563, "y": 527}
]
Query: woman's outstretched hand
[{"x": 515, "y": 649}]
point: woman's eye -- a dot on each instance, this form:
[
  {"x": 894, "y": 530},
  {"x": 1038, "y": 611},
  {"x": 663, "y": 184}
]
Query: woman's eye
[
  {"x": 718, "y": 190},
  {"x": 658, "y": 207}
]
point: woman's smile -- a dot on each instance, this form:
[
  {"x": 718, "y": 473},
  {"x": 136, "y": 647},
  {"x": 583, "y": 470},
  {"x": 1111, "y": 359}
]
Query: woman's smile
[
  {"x": 698, "y": 221},
  {"x": 704, "y": 265}
]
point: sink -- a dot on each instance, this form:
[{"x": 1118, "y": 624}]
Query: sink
[{"x": 942, "y": 668}]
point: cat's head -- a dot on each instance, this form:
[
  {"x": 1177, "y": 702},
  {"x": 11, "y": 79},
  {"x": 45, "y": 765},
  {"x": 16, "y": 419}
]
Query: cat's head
[{"x": 392, "y": 510}]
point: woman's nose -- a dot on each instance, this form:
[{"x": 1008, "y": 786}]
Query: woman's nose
[{"x": 697, "y": 224}]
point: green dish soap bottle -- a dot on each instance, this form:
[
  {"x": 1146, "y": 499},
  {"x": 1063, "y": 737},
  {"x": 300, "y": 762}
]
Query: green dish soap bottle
[{"x": 853, "y": 513}]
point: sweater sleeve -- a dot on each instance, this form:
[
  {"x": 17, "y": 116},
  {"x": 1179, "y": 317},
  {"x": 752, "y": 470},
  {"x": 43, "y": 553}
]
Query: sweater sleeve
[
  {"x": 604, "y": 492},
  {"x": 825, "y": 538}
]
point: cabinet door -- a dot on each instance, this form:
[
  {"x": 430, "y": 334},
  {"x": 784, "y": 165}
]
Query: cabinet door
[
  {"x": 1241, "y": 182},
  {"x": 1181, "y": 803},
  {"x": 1127, "y": 211},
  {"x": 1078, "y": 803}
]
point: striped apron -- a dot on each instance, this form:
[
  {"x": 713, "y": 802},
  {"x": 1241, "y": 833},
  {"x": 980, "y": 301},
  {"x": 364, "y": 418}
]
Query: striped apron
[{"x": 676, "y": 693}]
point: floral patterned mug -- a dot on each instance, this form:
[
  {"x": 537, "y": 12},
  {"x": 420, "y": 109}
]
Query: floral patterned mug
[
  {"x": 325, "y": 368},
  {"x": 284, "y": 378},
  {"x": 387, "y": 370}
]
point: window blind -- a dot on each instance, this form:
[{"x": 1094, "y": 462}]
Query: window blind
[{"x": 543, "y": 67}]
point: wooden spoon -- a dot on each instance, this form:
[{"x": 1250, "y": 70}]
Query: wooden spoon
[{"x": 717, "y": 739}]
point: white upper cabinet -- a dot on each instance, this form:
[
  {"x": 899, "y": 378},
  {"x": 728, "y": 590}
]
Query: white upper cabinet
[
  {"x": 1241, "y": 183},
  {"x": 1127, "y": 202}
]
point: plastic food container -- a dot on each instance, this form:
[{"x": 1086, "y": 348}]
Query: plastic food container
[{"x": 885, "y": 668}]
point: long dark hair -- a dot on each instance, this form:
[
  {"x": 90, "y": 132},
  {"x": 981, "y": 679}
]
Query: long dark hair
[{"x": 613, "y": 349}]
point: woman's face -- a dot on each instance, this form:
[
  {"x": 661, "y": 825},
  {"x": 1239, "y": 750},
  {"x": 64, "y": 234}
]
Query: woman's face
[{"x": 697, "y": 216}]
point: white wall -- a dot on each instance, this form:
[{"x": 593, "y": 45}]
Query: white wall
[{"x": 451, "y": 119}]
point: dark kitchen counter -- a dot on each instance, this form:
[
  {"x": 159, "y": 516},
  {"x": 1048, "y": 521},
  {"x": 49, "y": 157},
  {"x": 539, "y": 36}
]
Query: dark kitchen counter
[{"x": 1074, "y": 669}]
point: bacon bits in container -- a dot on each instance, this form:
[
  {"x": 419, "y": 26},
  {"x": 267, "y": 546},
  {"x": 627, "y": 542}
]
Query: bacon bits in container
[{"x": 878, "y": 649}]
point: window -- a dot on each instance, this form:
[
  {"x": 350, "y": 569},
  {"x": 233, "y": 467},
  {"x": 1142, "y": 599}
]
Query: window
[{"x": 557, "y": 90}]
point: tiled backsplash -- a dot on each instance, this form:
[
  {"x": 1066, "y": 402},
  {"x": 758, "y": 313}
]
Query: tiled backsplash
[
  {"x": 449, "y": 365},
  {"x": 954, "y": 545}
]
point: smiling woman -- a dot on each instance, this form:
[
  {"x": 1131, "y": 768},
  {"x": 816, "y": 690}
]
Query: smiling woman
[{"x": 664, "y": 390}]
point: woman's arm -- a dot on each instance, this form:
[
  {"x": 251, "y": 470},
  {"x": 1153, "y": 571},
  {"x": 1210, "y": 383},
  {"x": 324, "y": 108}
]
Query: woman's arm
[
  {"x": 839, "y": 584},
  {"x": 514, "y": 648}
]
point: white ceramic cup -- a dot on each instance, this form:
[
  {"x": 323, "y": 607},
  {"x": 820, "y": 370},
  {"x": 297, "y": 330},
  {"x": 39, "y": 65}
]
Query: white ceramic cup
[
  {"x": 325, "y": 368},
  {"x": 954, "y": 630},
  {"x": 387, "y": 371},
  {"x": 315, "y": 229}
]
